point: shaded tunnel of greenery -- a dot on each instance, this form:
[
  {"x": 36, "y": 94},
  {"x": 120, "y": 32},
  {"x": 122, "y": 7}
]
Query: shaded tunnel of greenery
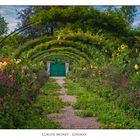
[{"x": 72, "y": 43}]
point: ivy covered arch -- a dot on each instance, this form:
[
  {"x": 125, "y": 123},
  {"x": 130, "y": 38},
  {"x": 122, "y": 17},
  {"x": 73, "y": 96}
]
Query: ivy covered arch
[
  {"x": 76, "y": 44},
  {"x": 67, "y": 38},
  {"x": 68, "y": 57},
  {"x": 70, "y": 51}
]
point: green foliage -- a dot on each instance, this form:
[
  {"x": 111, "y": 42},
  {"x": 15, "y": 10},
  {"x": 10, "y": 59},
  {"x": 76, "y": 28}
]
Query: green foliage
[
  {"x": 135, "y": 80},
  {"x": 64, "y": 56},
  {"x": 31, "y": 44},
  {"x": 129, "y": 12},
  {"x": 19, "y": 88},
  {"x": 3, "y": 26},
  {"x": 13, "y": 41},
  {"x": 25, "y": 15},
  {"x": 75, "y": 89},
  {"x": 121, "y": 58},
  {"x": 68, "y": 51},
  {"x": 103, "y": 52},
  {"x": 94, "y": 105},
  {"x": 115, "y": 79},
  {"x": 85, "y": 37},
  {"x": 85, "y": 18},
  {"x": 49, "y": 101},
  {"x": 48, "y": 45}
]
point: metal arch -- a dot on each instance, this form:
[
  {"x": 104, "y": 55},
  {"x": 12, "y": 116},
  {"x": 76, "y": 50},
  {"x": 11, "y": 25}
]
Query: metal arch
[
  {"x": 30, "y": 45},
  {"x": 17, "y": 31}
]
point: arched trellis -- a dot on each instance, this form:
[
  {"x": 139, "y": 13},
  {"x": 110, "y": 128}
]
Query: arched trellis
[
  {"x": 77, "y": 43},
  {"x": 59, "y": 50},
  {"x": 55, "y": 44},
  {"x": 17, "y": 31},
  {"x": 70, "y": 56},
  {"x": 31, "y": 44},
  {"x": 69, "y": 39},
  {"x": 62, "y": 42},
  {"x": 86, "y": 38}
]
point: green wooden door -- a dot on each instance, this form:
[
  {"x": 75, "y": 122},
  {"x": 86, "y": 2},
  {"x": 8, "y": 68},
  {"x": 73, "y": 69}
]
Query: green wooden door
[{"x": 57, "y": 69}]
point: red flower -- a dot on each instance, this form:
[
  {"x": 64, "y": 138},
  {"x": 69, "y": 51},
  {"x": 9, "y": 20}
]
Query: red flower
[
  {"x": 4, "y": 59},
  {"x": 5, "y": 69},
  {"x": 13, "y": 71},
  {"x": 23, "y": 70},
  {"x": 11, "y": 77},
  {"x": 8, "y": 63}
]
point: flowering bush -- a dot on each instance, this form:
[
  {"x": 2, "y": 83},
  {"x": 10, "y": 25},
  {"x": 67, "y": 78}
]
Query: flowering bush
[
  {"x": 18, "y": 88},
  {"x": 116, "y": 80}
]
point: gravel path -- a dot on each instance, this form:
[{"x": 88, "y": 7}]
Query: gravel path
[{"x": 68, "y": 118}]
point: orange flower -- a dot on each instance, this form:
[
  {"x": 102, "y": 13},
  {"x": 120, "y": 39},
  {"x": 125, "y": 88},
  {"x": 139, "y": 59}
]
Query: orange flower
[
  {"x": 8, "y": 63},
  {"x": 23, "y": 70}
]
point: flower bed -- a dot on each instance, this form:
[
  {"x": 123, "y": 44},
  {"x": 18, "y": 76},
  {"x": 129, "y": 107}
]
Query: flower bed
[{"x": 18, "y": 90}]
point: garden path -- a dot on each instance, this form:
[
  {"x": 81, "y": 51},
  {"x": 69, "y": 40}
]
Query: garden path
[{"x": 68, "y": 118}]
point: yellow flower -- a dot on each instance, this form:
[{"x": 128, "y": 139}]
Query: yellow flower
[
  {"x": 117, "y": 54},
  {"x": 119, "y": 49},
  {"x": 91, "y": 66},
  {"x": 137, "y": 37},
  {"x": 136, "y": 67},
  {"x": 84, "y": 69},
  {"x": 4, "y": 64},
  {"x": 123, "y": 46},
  {"x": 0, "y": 65},
  {"x": 113, "y": 55},
  {"x": 18, "y": 61}
]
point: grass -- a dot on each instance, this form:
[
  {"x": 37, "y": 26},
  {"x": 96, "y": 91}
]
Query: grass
[
  {"x": 49, "y": 102},
  {"x": 93, "y": 105},
  {"x": 75, "y": 89}
]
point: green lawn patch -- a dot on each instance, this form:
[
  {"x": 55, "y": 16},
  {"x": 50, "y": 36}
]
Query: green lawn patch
[{"x": 49, "y": 102}]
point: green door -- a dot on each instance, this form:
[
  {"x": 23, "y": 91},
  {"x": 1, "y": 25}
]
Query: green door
[{"x": 57, "y": 69}]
